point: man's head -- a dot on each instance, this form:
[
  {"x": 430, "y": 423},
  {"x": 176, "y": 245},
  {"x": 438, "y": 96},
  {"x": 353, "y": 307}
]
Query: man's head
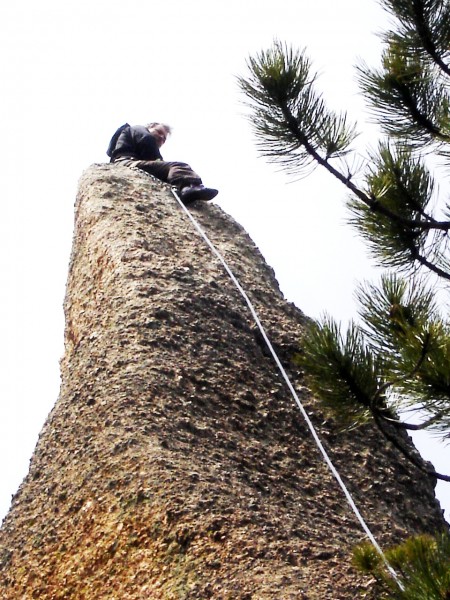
[{"x": 159, "y": 131}]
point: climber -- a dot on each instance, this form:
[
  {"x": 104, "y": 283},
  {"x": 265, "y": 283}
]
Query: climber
[{"x": 138, "y": 146}]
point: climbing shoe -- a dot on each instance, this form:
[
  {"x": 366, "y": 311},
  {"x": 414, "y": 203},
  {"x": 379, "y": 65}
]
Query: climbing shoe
[{"x": 197, "y": 192}]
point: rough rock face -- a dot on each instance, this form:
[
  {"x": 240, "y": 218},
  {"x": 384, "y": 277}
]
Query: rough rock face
[{"x": 175, "y": 463}]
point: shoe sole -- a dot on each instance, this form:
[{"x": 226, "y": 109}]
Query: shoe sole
[{"x": 205, "y": 195}]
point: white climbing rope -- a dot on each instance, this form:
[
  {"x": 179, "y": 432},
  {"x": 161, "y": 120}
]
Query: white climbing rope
[
  {"x": 285, "y": 376},
  {"x": 292, "y": 390}
]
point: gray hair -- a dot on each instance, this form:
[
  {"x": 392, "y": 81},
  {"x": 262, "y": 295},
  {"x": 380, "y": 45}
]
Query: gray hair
[{"x": 168, "y": 128}]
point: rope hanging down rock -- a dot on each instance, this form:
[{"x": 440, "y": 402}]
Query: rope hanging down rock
[
  {"x": 285, "y": 376},
  {"x": 294, "y": 394}
]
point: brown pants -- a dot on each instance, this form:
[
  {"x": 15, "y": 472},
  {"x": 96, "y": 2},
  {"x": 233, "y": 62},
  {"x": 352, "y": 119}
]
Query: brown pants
[{"x": 178, "y": 174}]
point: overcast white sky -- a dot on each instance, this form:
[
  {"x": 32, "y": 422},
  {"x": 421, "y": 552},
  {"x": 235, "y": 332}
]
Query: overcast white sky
[{"x": 71, "y": 72}]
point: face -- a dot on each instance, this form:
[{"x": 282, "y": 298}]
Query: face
[{"x": 159, "y": 132}]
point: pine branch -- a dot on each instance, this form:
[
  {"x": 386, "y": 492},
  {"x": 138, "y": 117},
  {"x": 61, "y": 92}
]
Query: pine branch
[
  {"x": 406, "y": 452},
  {"x": 389, "y": 384},
  {"x": 372, "y": 202},
  {"x": 402, "y": 323},
  {"x": 409, "y": 94},
  {"x": 415, "y": 254},
  {"x": 421, "y": 561},
  {"x": 396, "y": 223},
  {"x": 295, "y": 128},
  {"x": 340, "y": 371},
  {"x": 424, "y": 28},
  {"x": 411, "y": 426},
  {"x": 427, "y": 37},
  {"x": 407, "y": 100}
]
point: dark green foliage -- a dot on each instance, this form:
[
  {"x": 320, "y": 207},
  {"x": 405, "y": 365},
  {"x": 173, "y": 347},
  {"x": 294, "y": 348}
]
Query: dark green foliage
[
  {"x": 402, "y": 325},
  {"x": 391, "y": 310},
  {"x": 423, "y": 28},
  {"x": 409, "y": 94},
  {"x": 408, "y": 98},
  {"x": 422, "y": 564},
  {"x": 403, "y": 186},
  {"x": 289, "y": 116},
  {"x": 341, "y": 371},
  {"x": 399, "y": 357}
]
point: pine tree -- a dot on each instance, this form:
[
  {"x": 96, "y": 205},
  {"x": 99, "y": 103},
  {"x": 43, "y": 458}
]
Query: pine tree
[{"x": 397, "y": 358}]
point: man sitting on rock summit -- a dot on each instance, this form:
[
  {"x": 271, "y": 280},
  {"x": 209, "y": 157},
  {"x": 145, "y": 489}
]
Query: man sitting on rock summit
[{"x": 138, "y": 146}]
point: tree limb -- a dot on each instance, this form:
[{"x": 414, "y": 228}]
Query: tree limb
[
  {"x": 426, "y": 263},
  {"x": 407, "y": 454},
  {"x": 372, "y": 202},
  {"x": 410, "y": 426},
  {"x": 424, "y": 33}
]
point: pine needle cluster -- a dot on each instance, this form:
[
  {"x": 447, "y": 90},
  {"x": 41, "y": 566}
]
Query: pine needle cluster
[
  {"x": 422, "y": 564},
  {"x": 409, "y": 94},
  {"x": 292, "y": 124}
]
